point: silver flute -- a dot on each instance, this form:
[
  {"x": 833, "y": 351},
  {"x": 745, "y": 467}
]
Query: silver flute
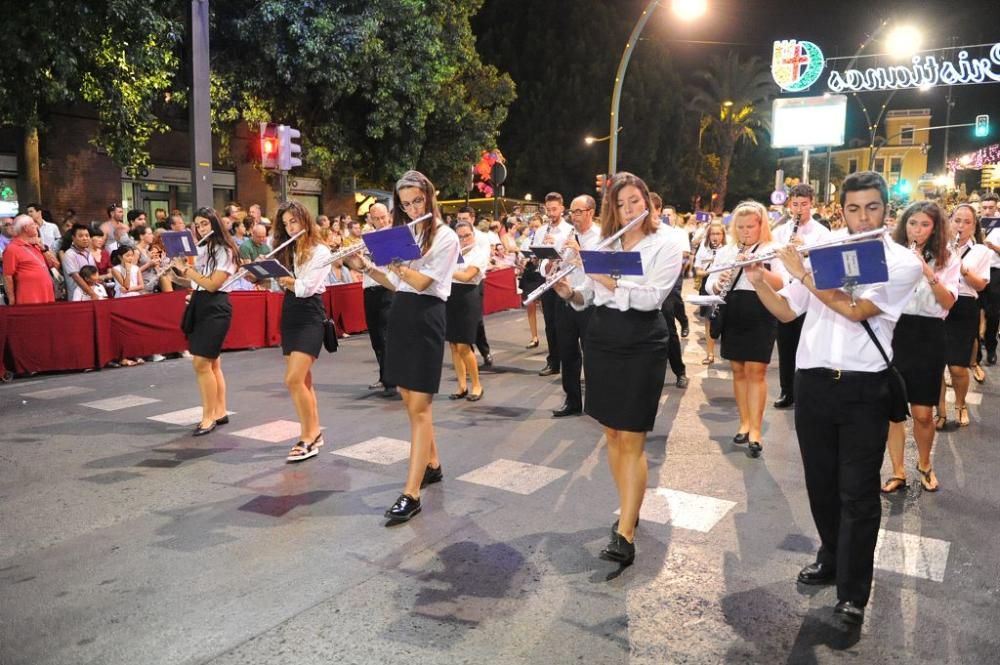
[
  {"x": 360, "y": 246},
  {"x": 726, "y": 288},
  {"x": 242, "y": 271},
  {"x": 769, "y": 255},
  {"x": 162, "y": 271},
  {"x": 567, "y": 269}
]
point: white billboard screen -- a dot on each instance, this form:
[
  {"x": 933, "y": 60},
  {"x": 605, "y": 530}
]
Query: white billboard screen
[{"x": 808, "y": 122}]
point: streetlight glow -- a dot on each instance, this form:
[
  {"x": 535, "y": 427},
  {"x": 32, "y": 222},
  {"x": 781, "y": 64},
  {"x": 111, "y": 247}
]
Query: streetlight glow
[
  {"x": 589, "y": 140},
  {"x": 903, "y": 41},
  {"x": 689, "y": 10}
]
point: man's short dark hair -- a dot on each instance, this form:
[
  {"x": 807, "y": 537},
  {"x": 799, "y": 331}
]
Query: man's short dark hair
[
  {"x": 351, "y": 224},
  {"x": 230, "y": 209},
  {"x": 113, "y": 207},
  {"x": 989, "y": 196},
  {"x": 134, "y": 214},
  {"x": 86, "y": 271},
  {"x": 76, "y": 227},
  {"x": 803, "y": 190},
  {"x": 36, "y": 206},
  {"x": 862, "y": 180},
  {"x": 467, "y": 209},
  {"x": 554, "y": 196}
]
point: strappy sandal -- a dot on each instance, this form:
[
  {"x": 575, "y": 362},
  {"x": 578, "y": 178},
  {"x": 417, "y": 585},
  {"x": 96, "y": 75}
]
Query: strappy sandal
[
  {"x": 940, "y": 423},
  {"x": 979, "y": 374},
  {"x": 900, "y": 484},
  {"x": 963, "y": 416},
  {"x": 302, "y": 451},
  {"x": 925, "y": 479},
  {"x": 708, "y": 360}
]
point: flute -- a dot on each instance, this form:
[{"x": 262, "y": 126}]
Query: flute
[
  {"x": 162, "y": 271},
  {"x": 358, "y": 247},
  {"x": 242, "y": 271},
  {"x": 767, "y": 256},
  {"x": 726, "y": 288},
  {"x": 565, "y": 270}
]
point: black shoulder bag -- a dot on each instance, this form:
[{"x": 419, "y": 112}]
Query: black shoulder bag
[{"x": 899, "y": 403}]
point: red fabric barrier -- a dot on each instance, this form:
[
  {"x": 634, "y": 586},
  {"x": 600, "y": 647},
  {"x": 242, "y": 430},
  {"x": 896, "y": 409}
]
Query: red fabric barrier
[
  {"x": 500, "y": 291},
  {"x": 144, "y": 325},
  {"x": 3, "y": 340},
  {"x": 347, "y": 307},
  {"x": 51, "y": 336},
  {"x": 272, "y": 323},
  {"x": 249, "y": 324}
]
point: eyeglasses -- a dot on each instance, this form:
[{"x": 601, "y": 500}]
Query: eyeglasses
[
  {"x": 578, "y": 211},
  {"x": 406, "y": 205}
]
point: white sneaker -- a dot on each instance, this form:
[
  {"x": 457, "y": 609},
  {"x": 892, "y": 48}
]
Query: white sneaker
[
  {"x": 156, "y": 358},
  {"x": 185, "y": 354}
]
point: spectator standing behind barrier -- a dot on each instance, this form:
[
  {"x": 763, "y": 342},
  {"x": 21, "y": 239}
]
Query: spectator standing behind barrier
[
  {"x": 76, "y": 255},
  {"x": 102, "y": 260},
  {"x": 47, "y": 231},
  {"x": 256, "y": 246},
  {"x": 25, "y": 267},
  {"x": 126, "y": 272},
  {"x": 6, "y": 232}
]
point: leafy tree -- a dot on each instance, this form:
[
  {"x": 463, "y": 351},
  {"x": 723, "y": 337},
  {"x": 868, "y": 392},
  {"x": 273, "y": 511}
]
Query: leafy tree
[{"x": 732, "y": 95}]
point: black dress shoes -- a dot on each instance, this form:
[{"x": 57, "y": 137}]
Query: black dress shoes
[
  {"x": 462, "y": 394},
  {"x": 684, "y": 331},
  {"x": 614, "y": 527},
  {"x": 991, "y": 358},
  {"x": 404, "y": 509},
  {"x": 850, "y": 612},
  {"x": 741, "y": 437},
  {"x": 682, "y": 381},
  {"x": 202, "y": 431},
  {"x": 548, "y": 371},
  {"x": 567, "y": 410},
  {"x": 224, "y": 420},
  {"x": 755, "y": 449},
  {"x": 378, "y": 385},
  {"x": 817, "y": 574},
  {"x": 431, "y": 476},
  {"x": 784, "y": 402},
  {"x": 487, "y": 361},
  {"x": 619, "y": 550}
]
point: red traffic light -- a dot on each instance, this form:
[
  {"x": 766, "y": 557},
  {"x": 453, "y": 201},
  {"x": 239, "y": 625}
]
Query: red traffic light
[
  {"x": 269, "y": 145},
  {"x": 600, "y": 182}
]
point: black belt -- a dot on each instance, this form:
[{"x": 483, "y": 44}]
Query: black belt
[
  {"x": 377, "y": 286},
  {"x": 840, "y": 374}
]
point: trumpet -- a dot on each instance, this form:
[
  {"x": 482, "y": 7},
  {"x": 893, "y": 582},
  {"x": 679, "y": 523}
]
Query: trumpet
[
  {"x": 567, "y": 269},
  {"x": 360, "y": 246},
  {"x": 836, "y": 242},
  {"x": 170, "y": 264},
  {"x": 242, "y": 271}
]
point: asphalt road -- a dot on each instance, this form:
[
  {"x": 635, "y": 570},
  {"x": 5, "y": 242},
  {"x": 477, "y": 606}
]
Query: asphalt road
[{"x": 124, "y": 540}]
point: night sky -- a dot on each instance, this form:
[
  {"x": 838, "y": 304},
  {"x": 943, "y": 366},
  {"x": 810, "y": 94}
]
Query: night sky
[{"x": 839, "y": 28}]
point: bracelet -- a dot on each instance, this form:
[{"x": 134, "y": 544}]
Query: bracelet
[
  {"x": 933, "y": 281},
  {"x": 804, "y": 275}
]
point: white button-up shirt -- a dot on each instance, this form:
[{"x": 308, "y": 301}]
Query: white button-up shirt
[
  {"x": 311, "y": 277},
  {"x": 477, "y": 256},
  {"x": 975, "y": 259},
  {"x": 223, "y": 262},
  {"x": 587, "y": 240},
  {"x": 661, "y": 267},
  {"x": 438, "y": 263},
  {"x": 835, "y": 342},
  {"x": 811, "y": 233},
  {"x": 727, "y": 255},
  {"x": 994, "y": 237},
  {"x": 923, "y": 302}
]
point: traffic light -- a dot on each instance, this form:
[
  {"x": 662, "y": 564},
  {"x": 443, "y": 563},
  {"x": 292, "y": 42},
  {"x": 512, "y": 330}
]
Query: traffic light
[
  {"x": 269, "y": 145},
  {"x": 904, "y": 187},
  {"x": 288, "y": 152},
  {"x": 600, "y": 182},
  {"x": 982, "y": 125}
]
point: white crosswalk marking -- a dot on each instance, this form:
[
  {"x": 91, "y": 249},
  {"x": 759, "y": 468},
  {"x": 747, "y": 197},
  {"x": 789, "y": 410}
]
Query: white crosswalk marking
[
  {"x": 119, "y": 403},
  {"x": 511, "y": 476},
  {"x": 57, "y": 393},
  {"x": 908, "y": 554},
  {"x": 190, "y": 416},
  {"x": 272, "y": 432},
  {"x": 379, "y": 450},
  {"x": 683, "y": 509},
  {"x": 970, "y": 398}
]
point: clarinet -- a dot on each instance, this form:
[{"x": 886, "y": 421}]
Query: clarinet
[{"x": 724, "y": 291}]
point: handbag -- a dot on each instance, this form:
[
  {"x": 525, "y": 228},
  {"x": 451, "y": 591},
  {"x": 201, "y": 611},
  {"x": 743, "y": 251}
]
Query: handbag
[
  {"x": 330, "y": 340},
  {"x": 187, "y": 318},
  {"x": 899, "y": 403}
]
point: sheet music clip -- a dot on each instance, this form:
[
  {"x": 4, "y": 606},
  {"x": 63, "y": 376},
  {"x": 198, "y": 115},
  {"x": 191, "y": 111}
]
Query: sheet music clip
[
  {"x": 613, "y": 264},
  {"x": 849, "y": 266},
  {"x": 392, "y": 246}
]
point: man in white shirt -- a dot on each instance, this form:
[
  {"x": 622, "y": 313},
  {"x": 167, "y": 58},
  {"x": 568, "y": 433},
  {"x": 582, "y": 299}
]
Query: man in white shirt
[
  {"x": 378, "y": 300},
  {"x": 47, "y": 231},
  {"x": 843, "y": 402},
  {"x": 991, "y": 303},
  {"x": 554, "y": 232},
  {"x": 800, "y": 229},
  {"x": 571, "y": 325}
]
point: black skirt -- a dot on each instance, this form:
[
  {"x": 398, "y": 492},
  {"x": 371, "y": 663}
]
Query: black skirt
[
  {"x": 212, "y": 314},
  {"x": 625, "y": 360},
  {"x": 704, "y": 311},
  {"x": 918, "y": 351},
  {"x": 464, "y": 311},
  {"x": 960, "y": 331},
  {"x": 531, "y": 279},
  {"x": 748, "y": 330},
  {"x": 302, "y": 324},
  {"x": 414, "y": 348}
]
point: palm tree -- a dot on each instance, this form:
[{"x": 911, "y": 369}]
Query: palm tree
[{"x": 732, "y": 98}]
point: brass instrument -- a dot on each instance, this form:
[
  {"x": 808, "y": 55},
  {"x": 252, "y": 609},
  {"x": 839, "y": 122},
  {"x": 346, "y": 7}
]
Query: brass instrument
[
  {"x": 836, "y": 242},
  {"x": 567, "y": 269}
]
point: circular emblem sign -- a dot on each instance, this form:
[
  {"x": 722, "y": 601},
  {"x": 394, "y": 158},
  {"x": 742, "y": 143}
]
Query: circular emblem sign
[
  {"x": 778, "y": 197},
  {"x": 796, "y": 65}
]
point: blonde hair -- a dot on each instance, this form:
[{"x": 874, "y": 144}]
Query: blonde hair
[{"x": 751, "y": 208}]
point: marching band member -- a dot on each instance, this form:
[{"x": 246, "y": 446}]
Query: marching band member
[
  {"x": 210, "y": 312},
  {"x": 674, "y": 300},
  {"x": 302, "y": 318},
  {"x": 714, "y": 239},
  {"x": 748, "y": 329},
  {"x": 799, "y": 229},
  {"x": 378, "y": 300},
  {"x": 415, "y": 344},
  {"x": 531, "y": 279},
  {"x": 842, "y": 403},
  {"x": 918, "y": 346},
  {"x": 625, "y": 350},
  {"x": 988, "y": 207},
  {"x": 571, "y": 324},
  {"x": 961, "y": 329},
  {"x": 464, "y": 310},
  {"x": 554, "y": 233}
]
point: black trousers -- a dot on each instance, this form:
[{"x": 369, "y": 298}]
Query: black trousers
[
  {"x": 679, "y": 312},
  {"x": 842, "y": 427},
  {"x": 572, "y": 326},
  {"x": 481, "y": 343},
  {"x": 550, "y": 303},
  {"x": 992, "y": 306},
  {"x": 788, "y": 344},
  {"x": 378, "y": 300},
  {"x": 673, "y": 341}
]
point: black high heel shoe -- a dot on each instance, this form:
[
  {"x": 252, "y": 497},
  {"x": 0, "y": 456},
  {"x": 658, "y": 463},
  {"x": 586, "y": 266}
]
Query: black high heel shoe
[
  {"x": 741, "y": 437},
  {"x": 619, "y": 550},
  {"x": 461, "y": 395},
  {"x": 755, "y": 449},
  {"x": 533, "y": 344}
]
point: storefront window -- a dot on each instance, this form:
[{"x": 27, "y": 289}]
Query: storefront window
[{"x": 8, "y": 196}]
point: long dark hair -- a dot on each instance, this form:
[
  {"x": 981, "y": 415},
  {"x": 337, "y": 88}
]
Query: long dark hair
[
  {"x": 301, "y": 250},
  {"x": 419, "y": 181},
  {"x": 611, "y": 221},
  {"x": 937, "y": 242},
  {"x": 220, "y": 238}
]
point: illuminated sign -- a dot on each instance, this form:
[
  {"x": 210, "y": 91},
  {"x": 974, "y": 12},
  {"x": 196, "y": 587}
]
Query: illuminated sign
[
  {"x": 796, "y": 65},
  {"x": 808, "y": 121},
  {"x": 923, "y": 72}
]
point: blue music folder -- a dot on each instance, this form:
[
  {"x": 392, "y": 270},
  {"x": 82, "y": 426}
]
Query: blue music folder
[
  {"x": 392, "y": 245},
  {"x": 849, "y": 265},
  {"x": 604, "y": 262},
  {"x": 703, "y": 216},
  {"x": 267, "y": 268},
  {"x": 179, "y": 243}
]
